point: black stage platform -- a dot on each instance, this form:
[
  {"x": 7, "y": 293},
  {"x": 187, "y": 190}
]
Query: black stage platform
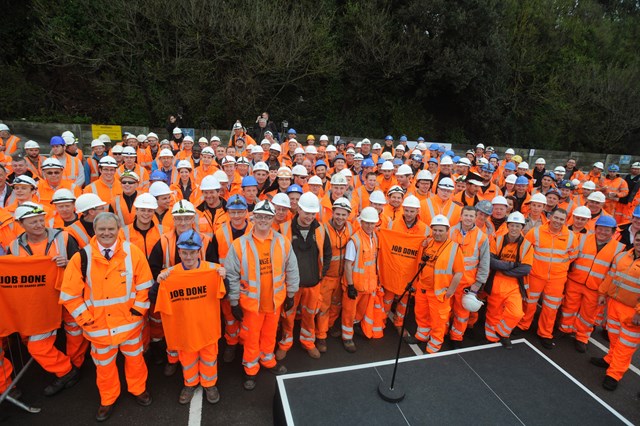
[{"x": 479, "y": 385}]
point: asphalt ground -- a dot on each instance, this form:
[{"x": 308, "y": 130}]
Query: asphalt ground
[{"x": 238, "y": 407}]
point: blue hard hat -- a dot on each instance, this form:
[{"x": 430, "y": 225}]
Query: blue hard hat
[
  {"x": 510, "y": 166},
  {"x": 455, "y": 159},
  {"x": 488, "y": 168},
  {"x": 494, "y": 156},
  {"x": 442, "y": 148},
  {"x": 237, "y": 202},
  {"x": 433, "y": 160},
  {"x": 554, "y": 191},
  {"x": 485, "y": 207},
  {"x": 420, "y": 139},
  {"x": 339, "y": 157},
  {"x": 434, "y": 147},
  {"x": 189, "y": 240},
  {"x": 158, "y": 175},
  {"x": 403, "y": 138},
  {"x": 521, "y": 180},
  {"x": 56, "y": 140},
  {"x": 550, "y": 174},
  {"x": 292, "y": 131},
  {"x": 397, "y": 162},
  {"x": 248, "y": 181},
  {"x": 566, "y": 184},
  {"x": 380, "y": 161},
  {"x": 368, "y": 162},
  {"x": 450, "y": 153},
  {"x": 320, "y": 163},
  {"x": 294, "y": 188},
  {"x": 636, "y": 211},
  {"x": 388, "y": 138},
  {"x": 416, "y": 157},
  {"x": 614, "y": 168},
  {"x": 607, "y": 221}
]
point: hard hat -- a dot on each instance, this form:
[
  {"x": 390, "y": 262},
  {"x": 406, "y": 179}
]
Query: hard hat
[
  {"x": 358, "y": 157},
  {"x": 309, "y": 203},
  {"x": 589, "y": 185},
  {"x": 614, "y": 168},
  {"x": 369, "y": 215},
  {"x": 450, "y": 153},
  {"x": 424, "y": 175},
  {"x": 260, "y": 165},
  {"x": 446, "y": 183},
  {"x": 243, "y": 161},
  {"x": 130, "y": 174},
  {"x": 376, "y": 146},
  {"x": 541, "y": 161},
  {"x": 248, "y": 181},
  {"x": 315, "y": 180},
  {"x": 292, "y": 131},
  {"x": 598, "y": 165},
  {"x": 366, "y": 141},
  {"x": 342, "y": 203},
  {"x": 63, "y": 195},
  {"x": 311, "y": 149},
  {"x": 636, "y": 165},
  {"x": 387, "y": 156},
  {"x": 52, "y": 163},
  {"x": 607, "y": 221},
  {"x": 516, "y": 217},
  {"x": 485, "y": 207},
  {"x": 141, "y": 138},
  {"x": 538, "y": 198},
  {"x": 185, "y": 164},
  {"x": 158, "y": 175},
  {"x": 189, "y": 240},
  {"x": 130, "y": 136},
  {"x": 284, "y": 172},
  {"x": 324, "y": 138},
  {"x": 395, "y": 189},
  {"x": 351, "y": 151},
  {"x": 264, "y": 142},
  {"x": 152, "y": 135},
  {"x": 440, "y": 220},
  {"x": 87, "y": 202},
  {"x": 499, "y": 201},
  {"x": 420, "y": 139},
  {"x": 31, "y": 145},
  {"x": 346, "y": 172},
  {"x": 28, "y": 209},
  {"x": 510, "y": 151},
  {"x": 523, "y": 165},
  {"x": 295, "y": 188},
  {"x": 145, "y": 201},
  {"x": 470, "y": 302},
  {"x": 237, "y": 125},
  {"x": 56, "y": 140},
  {"x": 549, "y": 174},
  {"x": 4, "y": 127},
  {"x": 480, "y": 145},
  {"x": 94, "y": 143},
  {"x": 338, "y": 179},
  {"x": 265, "y": 207},
  {"x": 434, "y": 147},
  {"x": 228, "y": 159},
  {"x": 597, "y": 196},
  {"x": 183, "y": 208},
  {"x": 237, "y": 202},
  {"x": 403, "y": 138},
  {"x": 388, "y": 138},
  {"x": 636, "y": 211},
  {"x": 417, "y": 157},
  {"x": 575, "y": 182},
  {"x": 25, "y": 180},
  {"x": 377, "y": 197},
  {"x": 582, "y": 211},
  {"x": 208, "y": 151},
  {"x": 421, "y": 146},
  {"x": 118, "y": 150},
  {"x": 214, "y": 138},
  {"x": 320, "y": 163},
  {"x": 187, "y": 139},
  {"x": 400, "y": 148},
  {"x": 367, "y": 162},
  {"x": 298, "y": 150},
  {"x": 69, "y": 140},
  {"x": 160, "y": 188},
  {"x": 331, "y": 148},
  {"x": 210, "y": 183},
  {"x": 510, "y": 166},
  {"x": 411, "y": 201},
  {"x": 464, "y": 161},
  {"x": 404, "y": 170},
  {"x": 446, "y": 161},
  {"x": 493, "y": 156},
  {"x": 559, "y": 169},
  {"x": 511, "y": 179},
  {"x": 387, "y": 165},
  {"x": 164, "y": 142},
  {"x": 107, "y": 161},
  {"x": 299, "y": 170},
  {"x": 257, "y": 149},
  {"x": 488, "y": 168},
  {"x": 165, "y": 153},
  {"x": 221, "y": 176},
  {"x": 129, "y": 151},
  {"x": 177, "y": 131},
  {"x": 553, "y": 191},
  {"x": 281, "y": 200}
]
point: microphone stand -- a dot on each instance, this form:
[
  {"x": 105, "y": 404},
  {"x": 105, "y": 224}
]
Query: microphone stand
[{"x": 393, "y": 393}]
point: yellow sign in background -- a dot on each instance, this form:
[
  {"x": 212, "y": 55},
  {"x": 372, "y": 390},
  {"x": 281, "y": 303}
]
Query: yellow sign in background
[{"x": 114, "y": 132}]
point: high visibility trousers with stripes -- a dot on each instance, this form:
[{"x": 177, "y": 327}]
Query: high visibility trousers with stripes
[
  {"x": 432, "y": 317},
  {"x": 5, "y": 369},
  {"x": 258, "y": 335},
  {"x": 308, "y": 298},
  {"x": 579, "y": 310},
  {"x": 504, "y": 309},
  {"x": 401, "y": 306},
  {"x": 42, "y": 348},
  {"x": 353, "y": 311},
  {"x": 200, "y": 367},
  {"x": 330, "y": 305},
  {"x": 460, "y": 317},
  {"x": 77, "y": 345},
  {"x": 551, "y": 301},
  {"x": 624, "y": 338},
  {"x": 231, "y": 324},
  {"x": 135, "y": 369}
]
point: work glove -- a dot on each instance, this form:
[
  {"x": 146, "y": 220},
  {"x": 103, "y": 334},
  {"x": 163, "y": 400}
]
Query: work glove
[
  {"x": 352, "y": 292},
  {"x": 288, "y": 303},
  {"x": 237, "y": 312}
]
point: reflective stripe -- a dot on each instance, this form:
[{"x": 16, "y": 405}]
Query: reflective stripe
[
  {"x": 143, "y": 305},
  {"x": 65, "y": 297},
  {"x": 113, "y": 331},
  {"x": 627, "y": 343},
  {"x": 209, "y": 363},
  {"x": 43, "y": 336},
  {"x": 208, "y": 378},
  {"x": 193, "y": 364},
  {"x": 144, "y": 285},
  {"x": 132, "y": 353},
  {"x": 104, "y": 363}
]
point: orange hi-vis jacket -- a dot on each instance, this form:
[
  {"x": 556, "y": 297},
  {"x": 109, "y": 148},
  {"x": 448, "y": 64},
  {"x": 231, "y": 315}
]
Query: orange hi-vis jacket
[
  {"x": 489, "y": 192},
  {"x": 553, "y": 253},
  {"x": 142, "y": 173},
  {"x": 208, "y": 225},
  {"x": 168, "y": 244},
  {"x": 119, "y": 206},
  {"x": 616, "y": 185},
  {"x": 339, "y": 240},
  {"x": 143, "y": 155},
  {"x": 94, "y": 171},
  {"x": 102, "y": 302},
  {"x": 104, "y": 191},
  {"x": 623, "y": 281},
  {"x": 360, "y": 199},
  {"x": 592, "y": 266},
  {"x": 7, "y": 228},
  {"x": 45, "y": 191},
  {"x": 444, "y": 268},
  {"x": 476, "y": 251},
  {"x": 224, "y": 237},
  {"x": 77, "y": 231},
  {"x": 365, "y": 268},
  {"x": 384, "y": 185},
  {"x": 434, "y": 206},
  {"x": 326, "y": 210},
  {"x": 72, "y": 168},
  {"x": 11, "y": 145},
  {"x": 144, "y": 242},
  {"x": 245, "y": 253},
  {"x": 201, "y": 171},
  {"x": 56, "y": 244},
  {"x": 507, "y": 252},
  {"x": 35, "y": 169}
]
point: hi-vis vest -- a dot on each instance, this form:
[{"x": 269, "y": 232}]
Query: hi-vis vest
[
  {"x": 72, "y": 168},
  {"x": 470, "y": 244},
  {"x": 365, "y": 270},
  {"x": 319, "y": 235},
  {"x": 55, "y": 238},
  {"x": 146, "y": 242},
  {"x": 79, "y": 233},
  {"x": 224, "y": 237},
  {"x": 592, "y": 266},
  {"x": 338, "y": 248},
  {"x": 247, "y": 252},
  {"x": 623, "y": 284},
  {"x": 443, "y": 270},
  {"x": 12, "y": 144},
  {"x": 552, "y": 253}
]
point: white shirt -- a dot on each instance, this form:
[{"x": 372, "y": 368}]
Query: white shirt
[{"x": 112, "y": 249}]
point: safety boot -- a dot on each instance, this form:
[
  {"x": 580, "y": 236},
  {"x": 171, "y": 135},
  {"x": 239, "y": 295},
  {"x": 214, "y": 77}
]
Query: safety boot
[
  {"x": 229, "y": 353},
  {"x": 170, "y": 369},
  {"x": 609, "y": 383},
  {"x": 349, "y": 346},
  {"x": 335, "y": 331},
  {"x": 278, "y": 369},
  {"x": 314, "y": 353},
  {"x": 64, "y": 382},
  {"x": 321, "y": 344},
  {"x": 506, "y": 343},
  {"x": 249, "y": 382},
  {"x": 280, "y": 354},
  {"x": 599, "y": 362},
  {"x": 212, "y": 394},
  {"x": 186, "y": 394},
  {"x": 580, "y": 346}
]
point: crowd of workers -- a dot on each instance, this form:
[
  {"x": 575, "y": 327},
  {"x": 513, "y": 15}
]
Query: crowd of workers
[{"x": 178, "y": 243}]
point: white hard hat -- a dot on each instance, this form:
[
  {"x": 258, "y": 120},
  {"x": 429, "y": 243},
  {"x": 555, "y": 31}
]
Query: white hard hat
[
  {"x": 330, "y": 148},
  {"x": 338, "y": 179},
  {"x": 87, "y": 202},
  {"x": 187, "y": 139},
  {"x": 387, "y": 165},
  {"x": 511, "y": 179},
  {"x": 541, "y": 161},
  {"x": 214, "y": 138},
  {"x": 228, "y": 159},
  {"x": 117, "y": 149},
  {"x": 589, "y": 185},
  {"x": 177, "y": 131},
  {"x": 284, "y": 172},
  {"x": 31, "y": 145},
  {"x": 299, "y": 170},
  {"x": 145, "y": 201},
  {"x": 210, "y": 183},
  {"x": 311, "y": 149},
  {"x": 221, "y": 176},
  {"x": 152, "y": 135},
  {"x": 523, "y": 165},
  {"x": 387, "y": 156},
  {"x": 165, "y": 153},
  {"x": 129, "y": 151},
  {"x": 404, "y": 170},
  {"x": 94, "y": 143},
  {"x": 482, "y": 161},
  {"x": 598, "y": 165},
  {"x": 207, "y": 150},
  {"x": 257, "y": 149},
  {"x": 440, "y": 220},
  {"x": 52, "y": 163},
  {"x": 276, "y": 147},
  {"x": 597, "y": 196},
  {"x": 576, "y": 182},
  {"x": 346, "y": 173},
  {"x": 396, "y": 189},
  {"x": 141, "y": 138},
  {"x": 516, "y": 217},
  {"x": 480, "y": 145},
  {"x": 358, "y": 157},
  {"x": 510, "y": 151},
  {"x": 237, "y": 125},
  {"x": 281, "y": 199},
  {"x": 400, "y": 148},
  {"x": 424, "y": 175},
  {"x": 471, "y": 303},
  {"x": 184, "y": 164},
  {"x": 309, "y": 203},
  {"x": 298, "y": 151},
  {"x": 183, "y": 208},
  {"x": 538, "y": 198},
  {"x": 159, "y": 188},
  {"x": 28, "y": 209},
  {"x": 69, "y": 140},
  {"x": 260, "y": 165},
  {"x": 342, "y": 203},
  {"x": 63, "y": 195},
  {"x": 4, "y": 127},
  {"x": 377, "y": 197},
  {"x": 421, "y": 146},
  {"x": 358, "y": 145},
  {"x": 499, "y": 200},
  {"x": 265, "y": 207},
  {"x": 376, "y": 146},
  {"x": 411, "y": 201},
  {"x": 446, "y": 183},
  {"x": 68, "y": 134},
  {"x": 324, "y": 137},
  {"x": 559, "y": 169},
  {"x": 582, "y": 211},
  {"x": 464, "y": 161},
  {"x": 25, "y": 180},
  {"x": 366, "y": 141},
  {"x": 370, "y": 215},
  {"x": 108, "y": 161},
  {"x": 313, "y": 180},
  {"x": 636, "y": 165},
  {"x": 446, "y": 161},
  {"x": 351, "y": 151},
  {"x": 265, "y": 142},
  {"x": 130, "y": 136}
]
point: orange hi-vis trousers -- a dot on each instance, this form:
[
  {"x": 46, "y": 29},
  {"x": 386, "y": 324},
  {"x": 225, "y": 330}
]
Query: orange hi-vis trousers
[
  {"x": 579, "y": 310},
  {"x": 551, "y": 301},
  {"x": 353, "y": 311},
  {"x": 152, "y": 331},
  {"x": 460, "y": 317},
  {"x": 231, "y": 324},
  {"x": 309, "y": 300},
  {"x": 624, "y": 338},
  {"x": 200, "y": 367},
  {"x": 258, "y": 335},
  {"x": 77, "y": 345},
  {"x": 401, "y": 306},
  {"x": 330, "y": 305},
  {"x": 504, "y": 309},
  {"x": 432, "y": 317},
  {"x": 135, "y": 369},
  {"x": 42, "y": 349},
  {"x": 5, "y": 369}
]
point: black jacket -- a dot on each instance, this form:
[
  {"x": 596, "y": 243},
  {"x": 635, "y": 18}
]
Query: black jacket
[{"x": 307, "y": 253}]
